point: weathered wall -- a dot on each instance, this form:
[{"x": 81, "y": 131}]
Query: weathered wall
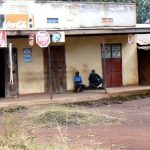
[
  {"x": 64, "y": 15},
  {"x": 129, "y": 63},
  {"x": 84, "y": 54},
  {"x": 31, "y": 76}
]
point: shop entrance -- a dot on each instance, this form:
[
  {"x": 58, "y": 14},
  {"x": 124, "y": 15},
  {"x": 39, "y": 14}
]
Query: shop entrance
[
  {"x": 143, "y": 67},
  {"x": 58, "y": 69},
  {"x": 112, "y": 60},
  {"x": 2, "y": 73},
  {"x": 7, "y": 89}
]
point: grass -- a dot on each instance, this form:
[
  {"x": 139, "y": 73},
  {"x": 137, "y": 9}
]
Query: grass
[
  {"x": 18, "y": 122},
  {"x": 71, "y": 116}
]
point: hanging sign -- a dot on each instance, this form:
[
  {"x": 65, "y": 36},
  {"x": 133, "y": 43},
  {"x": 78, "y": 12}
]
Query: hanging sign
[
  {"x": 3, "y": 39},
  {"x": 31, "y": 39},
  {"x": 43, "y": 38},
  {"x": 58, "y": 37}
]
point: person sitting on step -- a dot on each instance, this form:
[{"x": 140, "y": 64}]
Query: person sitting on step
[
  {"x": 95, "y": 81},
  {"x": 78, "y": 85}
]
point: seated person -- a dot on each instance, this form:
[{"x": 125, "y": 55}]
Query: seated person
[
  {"x": 95, "y": 81},
  {"x": 78, "y": 86}
]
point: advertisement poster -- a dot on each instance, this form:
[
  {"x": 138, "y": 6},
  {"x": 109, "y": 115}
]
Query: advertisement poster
[
  {"x": 27, "y": 55},
  {"x": 3, "y": 39},
  {"x": 2, "y": 22},
  {"x": 19, "y": 21}
]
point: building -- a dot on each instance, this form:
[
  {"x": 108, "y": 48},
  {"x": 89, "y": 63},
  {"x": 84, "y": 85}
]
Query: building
[{"x": 83, "y": 36}]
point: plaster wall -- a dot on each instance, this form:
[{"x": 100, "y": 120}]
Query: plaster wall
[
  {"x": 30, "y": 74},
  {"x": 83, "y": 53}
]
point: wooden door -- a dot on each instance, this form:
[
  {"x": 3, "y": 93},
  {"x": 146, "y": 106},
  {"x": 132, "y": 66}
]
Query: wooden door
[
  {"x": 111, "y": 59},
  {"x": 11, "y": 90},
  {"x": 58, "y": 69}
]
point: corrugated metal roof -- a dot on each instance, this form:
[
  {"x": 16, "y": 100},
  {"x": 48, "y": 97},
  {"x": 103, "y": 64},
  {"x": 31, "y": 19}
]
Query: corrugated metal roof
[
  {"x": 144, "y": 47},
  {"x": 143, "y": 39}
]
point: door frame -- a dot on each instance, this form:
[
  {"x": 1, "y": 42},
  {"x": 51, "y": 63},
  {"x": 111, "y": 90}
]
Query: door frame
[
  {"x": 48, "y": 69},
  {"x": 9, "y": 87},
  {"x": 103, "y": 59}
]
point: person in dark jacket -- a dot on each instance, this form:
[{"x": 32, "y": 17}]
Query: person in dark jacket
[
  {"x": 95, "y": 81},
  {"x": 78, "y": 85}
]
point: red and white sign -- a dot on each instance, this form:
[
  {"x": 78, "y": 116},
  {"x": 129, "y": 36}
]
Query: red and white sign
[
  {"x": 31, "y": 39},
  {"x": 3, "y": 39},
  {"x": 43, "y": 38},
  {"x": 19, "y": 21}
]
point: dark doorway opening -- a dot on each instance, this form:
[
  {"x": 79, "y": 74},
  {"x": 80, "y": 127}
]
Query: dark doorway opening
[
  {"x": 144, "y": 67},
  {"x": 2, "y": 73}
]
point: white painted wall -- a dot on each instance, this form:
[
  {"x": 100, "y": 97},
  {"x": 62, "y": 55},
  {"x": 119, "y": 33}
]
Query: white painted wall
[{"x": 73, "y": 15}]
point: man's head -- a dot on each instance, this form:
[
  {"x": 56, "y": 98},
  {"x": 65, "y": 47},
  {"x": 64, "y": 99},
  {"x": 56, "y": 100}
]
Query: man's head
[
  {"x": 93, "y": 71},
  {"x": 77, "y": 73}
]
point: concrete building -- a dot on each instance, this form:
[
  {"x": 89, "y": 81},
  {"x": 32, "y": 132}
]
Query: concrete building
[{"x": 83, "y": 36}]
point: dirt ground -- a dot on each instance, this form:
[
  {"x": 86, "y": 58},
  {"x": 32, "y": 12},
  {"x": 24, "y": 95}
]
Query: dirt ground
[{"x": 132, "y": 133}]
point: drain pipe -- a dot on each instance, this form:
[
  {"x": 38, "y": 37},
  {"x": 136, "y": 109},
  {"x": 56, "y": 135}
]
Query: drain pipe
[{"x": 11, "y": 81}]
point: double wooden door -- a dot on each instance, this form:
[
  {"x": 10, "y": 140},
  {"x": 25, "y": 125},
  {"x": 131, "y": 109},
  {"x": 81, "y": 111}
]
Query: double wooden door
[
  {"x": 58, "y": 68},
  {"x": 112, "y": 64}
]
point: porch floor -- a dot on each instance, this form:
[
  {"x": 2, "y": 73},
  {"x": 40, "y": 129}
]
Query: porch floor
[{"x": 69, "y": 97}]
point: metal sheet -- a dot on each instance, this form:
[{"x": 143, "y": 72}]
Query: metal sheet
[{"x": 143, "y": 39}]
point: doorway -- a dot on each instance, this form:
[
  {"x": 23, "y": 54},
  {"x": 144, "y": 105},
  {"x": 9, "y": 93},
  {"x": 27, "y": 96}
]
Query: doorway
[
  {"x": 2, "y": 73},
  {"x": 143, "y": 67},
  {"x": 58, "y": 69},
  {"x": 112, "y": 60}
]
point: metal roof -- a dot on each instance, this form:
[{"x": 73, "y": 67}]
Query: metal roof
[{"x": 143, "y": 39}]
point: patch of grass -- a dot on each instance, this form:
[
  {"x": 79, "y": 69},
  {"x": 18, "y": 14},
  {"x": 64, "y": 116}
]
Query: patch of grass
[
  {"x": 12, "y": 109},
  {"x": 71, "y": 116}
]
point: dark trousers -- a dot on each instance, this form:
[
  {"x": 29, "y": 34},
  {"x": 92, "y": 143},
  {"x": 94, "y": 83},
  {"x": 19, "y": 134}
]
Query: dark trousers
[
  {"x": 78, "y": 87},
  {"x": 95, "y": 84}
]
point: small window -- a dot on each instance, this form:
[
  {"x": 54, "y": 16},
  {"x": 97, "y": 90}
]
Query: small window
[
  {"x": 52, "y": 20},
  {"x": 116, "y": 51},
  {"x": 106, "y": 52}
]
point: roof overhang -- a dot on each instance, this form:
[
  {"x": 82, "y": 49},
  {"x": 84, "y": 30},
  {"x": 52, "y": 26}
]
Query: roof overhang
[{"x": 86, "y": 31}]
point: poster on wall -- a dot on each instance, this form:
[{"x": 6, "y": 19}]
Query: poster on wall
[
  {"x": 19, "y": 21},
  {"x": 2, "y": 22},
  {"x": 27, "y": 55},
  {"x": 3, "y": 39}
]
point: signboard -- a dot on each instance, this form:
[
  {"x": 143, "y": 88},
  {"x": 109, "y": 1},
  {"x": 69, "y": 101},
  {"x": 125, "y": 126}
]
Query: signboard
[
  {"x": 19, "y": 21},
  {"x": 43, "y": 38},
  {"x": 3, "y": 39},
  {"x": 58, "y": 37},
  {"x": 2, "y": 22},
  {"x": 31, "y": 39},
  {"x": 27, "y": 55}
]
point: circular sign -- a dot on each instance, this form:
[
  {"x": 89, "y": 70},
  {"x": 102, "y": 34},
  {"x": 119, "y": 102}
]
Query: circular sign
[
  {"x": 43, "y": 38},
  {"x": 56, "y": 37}
]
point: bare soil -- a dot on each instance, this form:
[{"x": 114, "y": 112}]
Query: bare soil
[{"x": 132, "y": 133}]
